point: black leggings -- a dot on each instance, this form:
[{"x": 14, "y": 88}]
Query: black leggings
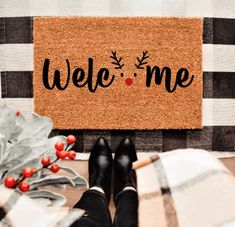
[{"x": 97, "y": 212}]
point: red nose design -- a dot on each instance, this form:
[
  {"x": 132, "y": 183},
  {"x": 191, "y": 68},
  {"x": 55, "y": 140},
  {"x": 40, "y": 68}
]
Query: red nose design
[{"x": 129, "y": 81}]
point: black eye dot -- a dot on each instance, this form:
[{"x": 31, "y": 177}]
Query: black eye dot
[
  {"x": 122, "y": 74},
  {"x": 135, "y": 74}
]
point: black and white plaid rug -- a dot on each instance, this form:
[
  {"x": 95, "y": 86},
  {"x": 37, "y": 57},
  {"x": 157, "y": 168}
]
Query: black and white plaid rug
[{"x": 218, "y": 134}]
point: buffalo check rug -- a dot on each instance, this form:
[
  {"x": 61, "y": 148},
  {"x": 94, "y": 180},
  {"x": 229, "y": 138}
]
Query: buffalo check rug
[{"x": 218, "y": 53}]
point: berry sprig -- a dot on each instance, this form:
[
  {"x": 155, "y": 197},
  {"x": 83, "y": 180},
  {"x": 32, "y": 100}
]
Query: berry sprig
[
  {"x": 17, "y": 113},
  {"x": 28, "y": 172}
]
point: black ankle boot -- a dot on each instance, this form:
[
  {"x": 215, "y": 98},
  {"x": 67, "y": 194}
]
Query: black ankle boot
[
  {"x": 124, "y": 176},
  {"x": 100, "y": 167}
]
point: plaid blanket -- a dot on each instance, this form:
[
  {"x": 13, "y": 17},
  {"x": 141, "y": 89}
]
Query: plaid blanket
[
  {"x": 186, "y": 188},
  {"x": 17, "y": 210}
]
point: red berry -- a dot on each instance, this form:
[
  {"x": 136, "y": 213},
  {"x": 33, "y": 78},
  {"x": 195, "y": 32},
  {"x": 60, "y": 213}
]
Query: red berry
[
  {"x": 24, "y": 186},
  {"x": 71, "y": 155},
  {"x": 17, "y": 113},
  {"x": 70, "y": 139},
  {"x": 45, "y": 161},
  {"x": 54, "y": 168},
  {"x": 9, "y": 182},
  {"x": 61, "y": 154},
  {"x": 27, "y": 172},
  {"x": 59, "y": 146}
]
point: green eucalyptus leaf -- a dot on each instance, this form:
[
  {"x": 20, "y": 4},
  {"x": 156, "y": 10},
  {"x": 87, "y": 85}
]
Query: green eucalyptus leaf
[
  {"x": 79, "y": 181},
  {"x": 14, "y": 156},
  {"x": 55, "y": 199},
  {"x": 37, "y": 145},
  {"x": 69, "y": 170},
  {"x": 3, "y": 147},
  {"x": 20, "y": 124},
  {"x": 56, "y": 186},
  {"x": 15, "y": 134},
  {"x": 7, "y": 121},
  {"x": 52, "y": 179},
  {"x": 69, "y": 147},
  {"x": 20, "y": 120},
  {"x": 40, "y": 127},
  {"x": 35, "y": 116}
]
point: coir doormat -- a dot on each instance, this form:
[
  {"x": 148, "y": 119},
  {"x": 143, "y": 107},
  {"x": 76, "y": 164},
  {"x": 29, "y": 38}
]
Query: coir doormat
[{"x": 118, "y": 72}]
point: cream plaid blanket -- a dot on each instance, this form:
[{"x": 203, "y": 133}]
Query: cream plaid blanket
[
  {"x": 18, "y": 210},
  {"x": 186, "y": 188}
]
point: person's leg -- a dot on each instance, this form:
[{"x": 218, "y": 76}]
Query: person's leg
[
  {"x": 125, "y": 195},
  {"x": 97, "y": 213},
  {"x": 126, "y": 209},
  {"x": 95, "y": 201}
]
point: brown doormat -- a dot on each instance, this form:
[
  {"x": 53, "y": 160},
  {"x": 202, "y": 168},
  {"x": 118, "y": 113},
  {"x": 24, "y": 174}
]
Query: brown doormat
[{"x": 118, "y": 72}]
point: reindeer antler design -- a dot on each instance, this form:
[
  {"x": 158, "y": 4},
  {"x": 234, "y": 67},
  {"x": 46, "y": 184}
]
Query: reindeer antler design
[
  {"x": 116, "y": 60},
  {"x": 142, "y": 60}
]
